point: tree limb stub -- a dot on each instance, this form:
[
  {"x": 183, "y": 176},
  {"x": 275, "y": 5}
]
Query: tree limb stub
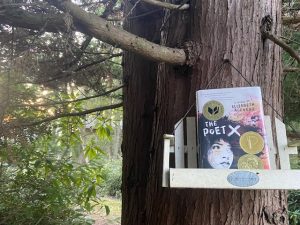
[
  {"x": 167, "y": 5},
  {"x": 101, "y": 29},
  {"x": 82, "y": 113},
  {"x": 286, "y": 20}
]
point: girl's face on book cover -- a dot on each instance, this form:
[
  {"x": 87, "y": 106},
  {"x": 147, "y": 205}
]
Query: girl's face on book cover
[{"x": 220, "y": 155}]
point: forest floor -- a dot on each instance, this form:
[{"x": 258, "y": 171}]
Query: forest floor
[{"x": 113, "y": 218}]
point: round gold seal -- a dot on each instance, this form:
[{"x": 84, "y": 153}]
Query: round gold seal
[
  {"x": 252, "y": 142},
  {"x": 250, "y": 162},
  {"x": 213, "y": 110}
]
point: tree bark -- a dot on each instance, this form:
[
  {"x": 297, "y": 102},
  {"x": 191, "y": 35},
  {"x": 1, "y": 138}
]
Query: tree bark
[
  {"x": 226, "y": 30},
  {"x": 139, "y": 97}
]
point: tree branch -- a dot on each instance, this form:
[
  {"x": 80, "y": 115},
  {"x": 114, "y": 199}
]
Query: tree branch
[
  {"x": 72, "y": 101},
  {"x": 104, "y": 31},
  {"x": 20, "y": 18},
  {"x": 286, "y": 20},
  {"x": 68, "y": 73},
  {"x": 283, "y": 45},
  {"x": 80, "y": 53},
  {"x": 97, "y": 62},
  {"x": 167, "y": 5},
  {"x": 291, "y": 69},
  {"x": 91, "y": 25},
  {"x": 82, "y": 113}
]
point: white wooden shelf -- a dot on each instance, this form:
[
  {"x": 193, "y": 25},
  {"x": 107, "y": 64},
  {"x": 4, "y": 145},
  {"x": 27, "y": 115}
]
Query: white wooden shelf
[{"x": 187, "y": 175}]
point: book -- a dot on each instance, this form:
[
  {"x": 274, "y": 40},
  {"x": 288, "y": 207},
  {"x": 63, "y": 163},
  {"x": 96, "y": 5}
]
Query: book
[{"x": 231, "y": 130}]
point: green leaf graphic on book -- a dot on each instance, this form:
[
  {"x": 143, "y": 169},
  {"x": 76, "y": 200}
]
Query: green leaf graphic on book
[{"x": 213, "y": 111}]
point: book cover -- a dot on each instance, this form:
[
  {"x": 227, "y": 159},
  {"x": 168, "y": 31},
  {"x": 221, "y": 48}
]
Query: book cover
[{"x": 231, "y": 131}]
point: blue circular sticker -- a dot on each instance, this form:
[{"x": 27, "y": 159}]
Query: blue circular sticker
[{"x": 243, "y": 178}]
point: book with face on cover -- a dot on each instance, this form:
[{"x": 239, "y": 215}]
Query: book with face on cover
[{"x": 231, "y": 130}]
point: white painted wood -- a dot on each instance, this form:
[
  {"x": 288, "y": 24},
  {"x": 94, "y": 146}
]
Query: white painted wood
[
  {"x": 191, "y": 142},
  {"x": 166, "y": 162},
  {"x": 179, "y": 145},
  {"x": 214, "y": 178},
  {"x": 283, "y": 150},
  {"x": 270, "y": 143}
]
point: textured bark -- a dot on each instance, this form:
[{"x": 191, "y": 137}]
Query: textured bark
[
  {"x": 139, "y": 97},
  {"x": 226, "y": 30}
]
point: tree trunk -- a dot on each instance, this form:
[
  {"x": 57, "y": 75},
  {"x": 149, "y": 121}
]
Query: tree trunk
[{"x": 226, "y": 30}]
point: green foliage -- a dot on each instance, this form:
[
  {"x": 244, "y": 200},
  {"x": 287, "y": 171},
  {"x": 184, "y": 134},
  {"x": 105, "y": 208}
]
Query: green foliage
[
  {"x": 292, "y": 97},
  {"x": 294, "y": 197},
  {"x": 291, "y": 81},
  {"x": 112, "y": 175},
  {"x": 41, "y": 189},
  {"x": 43, "y": 183},
  {"x": 294, "y": 207}
]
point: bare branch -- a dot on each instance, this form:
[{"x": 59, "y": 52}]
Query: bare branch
[
  {"x": 291, "y": 69},
  {"x": 82, "y": 113},
  {"x": 80, "y": 53},
  {"x": 68, "y": 73},
  {"x": 91, "y": 25},
  {"x": 283, "y": 45},
  {"x": 97, "y": 62},
  {"x": 286, "y": 20},
  {"x": 167, "y": 5},
  {"x": 20, "y": 18},
  {"x": 103, "y": 30},
  {"x": 72, "y": 101}
]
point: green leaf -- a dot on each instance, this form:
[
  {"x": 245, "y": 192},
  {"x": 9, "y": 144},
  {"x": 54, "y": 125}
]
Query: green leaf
[{"x": 107, "y": 210}]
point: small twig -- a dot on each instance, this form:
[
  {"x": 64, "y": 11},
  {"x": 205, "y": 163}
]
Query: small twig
[
  {"x": 132, "y": 9},
  {"x": 291, "y": 69},
  {"x": 291, "y": 40},
  {"x": 167, "y": 5}
]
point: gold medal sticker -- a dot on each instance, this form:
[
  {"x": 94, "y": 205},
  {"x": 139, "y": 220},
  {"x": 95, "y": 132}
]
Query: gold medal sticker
[
  {"x": 213, "y": 110},
  {"x": 252, "y": 142},
  {"x": 250, "y": 162}
]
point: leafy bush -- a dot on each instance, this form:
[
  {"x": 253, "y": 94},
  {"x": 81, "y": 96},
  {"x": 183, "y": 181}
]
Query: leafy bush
[
  {"x": 294, "y": 207},
  {"x": 112, "y": 175},
  {"x": 40, "y": 187},
  {"x": 294, "y": 198}
]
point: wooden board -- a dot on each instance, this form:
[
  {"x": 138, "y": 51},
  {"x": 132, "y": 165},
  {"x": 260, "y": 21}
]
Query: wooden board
[
  {"x": 217, "y": 179},
  {"x": 179, "y": 144},
  {"x": 191, "y": 142},
  {"x": 283, "y": 150},
  {"x": 270, "y": 143}
]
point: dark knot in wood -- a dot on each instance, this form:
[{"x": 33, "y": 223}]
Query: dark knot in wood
[
  {"x": 266, "y": 25},
  {"x": 192, "y": 50}
]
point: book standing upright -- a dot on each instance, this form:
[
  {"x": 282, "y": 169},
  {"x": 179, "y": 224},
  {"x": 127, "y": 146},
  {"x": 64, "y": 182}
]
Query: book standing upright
[{"x": 231, "y": 129}]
